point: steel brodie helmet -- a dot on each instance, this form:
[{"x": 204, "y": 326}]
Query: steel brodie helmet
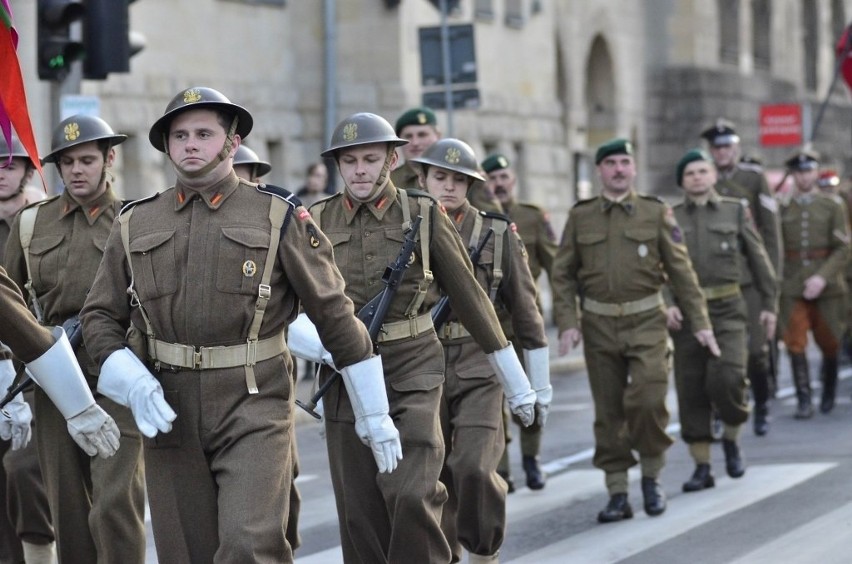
[
  {"x": 79, "y": 129},
  {"x": 362, "y": 129},
  {"x": 451, "y": 154},
  {"x": 245, "y": 156},
  {"x": 198, "y": 98}
]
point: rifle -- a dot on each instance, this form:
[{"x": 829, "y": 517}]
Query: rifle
[
  {"x": 441, "y": 311},
  {"x": 74, "y": 329},
  {"x": 373, "y": 313}
]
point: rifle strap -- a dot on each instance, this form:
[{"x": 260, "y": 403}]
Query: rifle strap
[
  {"x": 26, "y": 227},
  {"x": 124, "y": 225},
  {"x": 499, "y": 228},
  {"x": 428, "y": 277}
]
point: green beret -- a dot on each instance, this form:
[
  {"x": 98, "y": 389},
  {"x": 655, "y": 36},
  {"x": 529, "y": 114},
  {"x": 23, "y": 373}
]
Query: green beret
[
  {"x": 803, "y": 160},
  {"x": 416, "y": 116},
  {"x": 690, "y": 157},
  {"x": 495, "y": 162},
  {"x": 617, "y": 146}
]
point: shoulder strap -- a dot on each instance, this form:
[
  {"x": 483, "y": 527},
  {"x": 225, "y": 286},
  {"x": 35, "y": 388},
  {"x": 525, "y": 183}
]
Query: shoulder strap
[
  {"x": 124, "y": 226},
  {"x": 26, "y": 226},
  {"x": 499, "y": 227},
  {"x": 425, "y": 225}
]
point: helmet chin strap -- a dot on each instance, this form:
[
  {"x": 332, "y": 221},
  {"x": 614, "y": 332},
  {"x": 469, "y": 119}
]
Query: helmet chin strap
[
  {"x": 221, "y": 156},
  {"x": 380, "y": 181}
]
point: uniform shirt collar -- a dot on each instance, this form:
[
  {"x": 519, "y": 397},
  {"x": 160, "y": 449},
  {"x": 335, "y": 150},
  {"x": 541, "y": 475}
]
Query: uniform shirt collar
[
  {"x": 459, "y": 214},
  {"x": 378, "y": 206},
  {"x": 214, "y": 196},
  {"x": 713, "y": 200},
  {"x": 93, "y": 210},
  {"x": 628, "y": 203}
]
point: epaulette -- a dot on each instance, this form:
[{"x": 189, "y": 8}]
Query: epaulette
[
  {"x": 741, "y": 202},
  {"x": 652, "y": 198},
  {"x": 325, "y": 200},
  {"x": 531, "y": 206},
  {"x": 751, "y": 167},
  {"x": 281, "y": 193},
  {"x": 495, "y": 215},
  {"x": 133, "y": 203},
  {"x": 584, "y": 201},
  {"x": 40, "y": 202}
]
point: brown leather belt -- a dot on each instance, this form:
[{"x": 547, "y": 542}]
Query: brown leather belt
[{"x": 807, "y": 254}]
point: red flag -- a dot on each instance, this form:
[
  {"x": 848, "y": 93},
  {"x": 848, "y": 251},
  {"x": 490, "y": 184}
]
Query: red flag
[
  {"x": 13, "y": 96},
  {"x": 844, "y": 54}
]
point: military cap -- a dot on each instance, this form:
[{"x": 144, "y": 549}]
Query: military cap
[
  {"x": 805, "y": 159},
  {"x": 721, "y": 133},
  {"x": 245, "y": 156},
  {"x": 828, "y": 179},
  {"x": 690, "y": 157},
  {"x": 618, "y": 146},
  {"x": 416, "y": 116},
  {"x": 495, "y": 162}
]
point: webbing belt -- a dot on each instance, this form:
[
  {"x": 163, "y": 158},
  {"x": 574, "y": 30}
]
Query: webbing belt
[
  {"x": 406, "y": 328},
  {"x": 625, "y": 308},
  {"x": 205, "y": 358},
  {"x": 721, "y": 292}
]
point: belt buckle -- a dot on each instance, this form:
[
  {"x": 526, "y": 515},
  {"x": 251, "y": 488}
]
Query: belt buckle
[
  {"x": 619, "y": 310},
  {"x": 251, "y": 352},
  {"x": 196, "y": 358}
]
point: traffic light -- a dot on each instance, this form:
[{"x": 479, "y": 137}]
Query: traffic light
[
  {"x": 108, "y": 41},
  {"x": 56, "y": 49}
]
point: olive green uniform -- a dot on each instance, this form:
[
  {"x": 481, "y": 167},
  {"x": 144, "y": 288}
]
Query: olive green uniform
[
  {"x": 816, "y": 241},
  {"x": 396, "y": 517},
  {"x": 746, "y": 182},
  {"x": 97, "y": 504},
  {"x": 722, "y": 241},
  {"x": 19, "y": 329},
  {"x": 475, "y": 514},
  {"x": 614, "y": 259},
  {"x": 219, "y": 481}
]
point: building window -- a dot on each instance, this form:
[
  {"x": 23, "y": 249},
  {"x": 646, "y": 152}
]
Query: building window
[
  {"x": 515, "y": 13},
  {"x": 484, "y": 10},
  {"x": 761, "y": 22},
  {"x": 729, "y": 31},
  {"x": 811, "y": 37}
]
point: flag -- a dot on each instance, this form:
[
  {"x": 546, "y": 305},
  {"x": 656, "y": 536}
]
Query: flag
[
  {"x": 844, "y": 56},
  {"x": 13, "y": 96}
]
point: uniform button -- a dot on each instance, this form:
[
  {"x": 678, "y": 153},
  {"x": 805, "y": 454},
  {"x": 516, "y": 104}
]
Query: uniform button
[
  {"x": 367, "y": 233},
  {"x": 369, "y": 257}
]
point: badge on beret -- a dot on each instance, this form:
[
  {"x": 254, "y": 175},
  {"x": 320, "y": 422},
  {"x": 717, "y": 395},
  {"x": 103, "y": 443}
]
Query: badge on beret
[
  {"x": 643, "y": 250},
  {"x": 421, "y": 118},
  {"x": 249, "y": 268}
]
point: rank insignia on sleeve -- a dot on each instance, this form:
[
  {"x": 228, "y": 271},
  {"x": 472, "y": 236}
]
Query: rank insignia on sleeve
[
  {"x": 313, "y": 236},
  {"x": 249, "y": 268},
  {"x": 513, "y": 227}
]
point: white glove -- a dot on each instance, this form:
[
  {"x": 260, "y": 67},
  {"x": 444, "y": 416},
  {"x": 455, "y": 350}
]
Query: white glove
[
  {"x": 126, "y": 381},
  {"x": 59, "y": 375},
  {"x": 515, "y": 384},
  {"x": 365, "y": 384},
  {"x": 303, "y": 340},
  {"x": 16, "y": 417},
  {"x": 537, "y": 362}
]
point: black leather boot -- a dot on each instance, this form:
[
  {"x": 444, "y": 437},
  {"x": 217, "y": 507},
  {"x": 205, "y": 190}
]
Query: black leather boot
[
  {"x": 655, "y": 498},
  {"x": 734, "y": 463},
  {"x": 617, "y": 509},
  {"x": 701, "y": 479},
  {"x": 535, "y": 477},
  {"x": 802, "y": 381},
  {"x": 829, "y": 384},
  {"x": 761, "y": 419}
]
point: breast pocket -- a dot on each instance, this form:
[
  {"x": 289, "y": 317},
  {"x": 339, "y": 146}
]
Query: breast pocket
[
  {"x": 642, "y": 247},
  {"x": 153, "y": 256},
  {"x": 46, "y": 259},
  {"x": 340, "y": 245},
  {"x": 591, "y": 247},
  {"x": 242, "y": 256},
  {"x": 725, "y": 249}
]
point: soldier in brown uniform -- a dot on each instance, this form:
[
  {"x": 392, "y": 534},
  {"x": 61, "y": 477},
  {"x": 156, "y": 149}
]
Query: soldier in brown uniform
[
  {"x": 533, "y": 225},
  {"x": 216, "y": 268},
  {"x": 419, "y": 126},
  {"x": 617, "y": 250},
  {"x": 25, "y": 528},
  {"x": 97, "y": 506},
  {"x": 397, "y": 518},
  {"x": 721, "y": 240},
  {"x": 813, "y": 292},
  {"x": 475, "y": 514},
  {"x": 745, "y": 181}
]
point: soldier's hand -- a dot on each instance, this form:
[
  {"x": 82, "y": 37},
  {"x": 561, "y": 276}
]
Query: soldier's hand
[
  {"x": 708, "y": 339},
  {"x": 16, "y": 417},
  {"x": 814, "y": 287},
  {"x": 94, "y": 431},
  {"x": 674, "y": 318},
  {"x": 769, "y": 321},
  {"x": 569, "y": 339}
]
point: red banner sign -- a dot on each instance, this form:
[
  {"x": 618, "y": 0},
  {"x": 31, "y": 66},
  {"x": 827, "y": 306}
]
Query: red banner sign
[{"x": 780, "y": 125}]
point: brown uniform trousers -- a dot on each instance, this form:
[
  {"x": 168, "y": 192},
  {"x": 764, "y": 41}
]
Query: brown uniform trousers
[
  {"x": 24, "y": 512},
  {"x": 219, "y": 482},
  {"x": 746, "y": 182},
  {"x": 721, "y": 241},
  {"x": 816, "y": 241},
  {"x": 396, "y": 517},
  {"x": 617, "y": 254},
  {"x": 97, "y": 505},
  {"x": 475, "y": 514}
]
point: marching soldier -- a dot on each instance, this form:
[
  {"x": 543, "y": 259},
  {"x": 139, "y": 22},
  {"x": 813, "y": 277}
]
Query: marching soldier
[
  {"x": 533, "y": 225},
  {"x": 474, "y": 516},
  {"x": 22, "y": 494},
  {"x": 53, "y": 252},
  {"x": 617, "y": 250},
  {"x": 215, "y": 268},
  {"x": 396, "y": 518},
  {"x": 721, "y": 240},
  {"x": 815, "y": 233},
  {"x": 248, "y": 166},
  {"x": 745, "y": 181}
]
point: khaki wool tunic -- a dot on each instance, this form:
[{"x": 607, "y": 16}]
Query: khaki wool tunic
[
  {"x": 219, "y": 482},
  {"x": 19, "y": 329},
  {"x": 534, "y": 228},
  {"x": 395, "y": 517}
]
